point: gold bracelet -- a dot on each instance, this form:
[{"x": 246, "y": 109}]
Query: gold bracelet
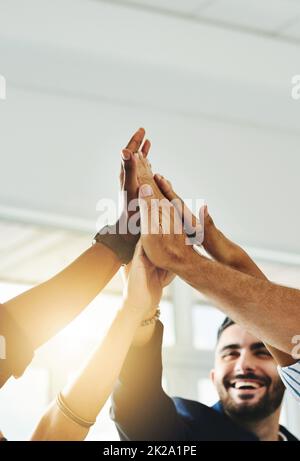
[
  {"x": 153, "y": 319},
  {"x": 69, "y": 413}
]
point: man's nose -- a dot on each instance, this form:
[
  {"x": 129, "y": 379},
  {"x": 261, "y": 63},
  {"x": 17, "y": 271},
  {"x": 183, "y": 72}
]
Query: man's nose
[{"x": 245, "y": 363}]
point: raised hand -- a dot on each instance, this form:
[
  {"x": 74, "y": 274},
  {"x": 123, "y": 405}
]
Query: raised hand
[
  {"x": 214, "y": 241},
  {"x": 128, "y": 178},
  {"x": 162, "y": 234}
]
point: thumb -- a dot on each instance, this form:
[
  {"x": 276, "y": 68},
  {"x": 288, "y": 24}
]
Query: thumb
[{"x": 165, "y": 187}]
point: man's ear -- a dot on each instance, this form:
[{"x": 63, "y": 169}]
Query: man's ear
[{"x": 212, "y": 375}]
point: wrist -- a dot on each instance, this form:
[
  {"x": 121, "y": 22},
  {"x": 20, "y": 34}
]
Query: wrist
[
  {"x": 111, "y": 237},
  {"x": 136, "y": 311},
  {"x": 220, "y": 247},
  {"x": 192, "y": 266},
  {"x": 178, "y": 255}
]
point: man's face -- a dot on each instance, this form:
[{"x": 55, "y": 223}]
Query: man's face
[{"x": 245, "y": 376}]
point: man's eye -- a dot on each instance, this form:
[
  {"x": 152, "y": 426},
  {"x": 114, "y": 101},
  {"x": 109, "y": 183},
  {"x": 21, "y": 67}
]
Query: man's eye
[
  {"x": 263, "y": 354},
  {"x": 230, "y": 354}
]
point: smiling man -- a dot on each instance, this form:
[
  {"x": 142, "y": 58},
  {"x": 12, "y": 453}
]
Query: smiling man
[
  {"x": 246, "y": 379},
  {"x": 248, "y": 384}
]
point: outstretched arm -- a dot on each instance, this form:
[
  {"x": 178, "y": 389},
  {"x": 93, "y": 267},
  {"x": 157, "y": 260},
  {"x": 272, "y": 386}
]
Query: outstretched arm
[
  {"x": 271, "y": 312},
  {"x": 42, "y": 311},
  {"x": 88, "y": 392},
  {"x": 220, "y": 248}
]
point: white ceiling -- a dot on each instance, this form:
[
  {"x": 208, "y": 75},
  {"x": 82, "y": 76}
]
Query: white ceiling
[
  {"x": 216, "y": 103},
  {"x": 280, "y": 18}
]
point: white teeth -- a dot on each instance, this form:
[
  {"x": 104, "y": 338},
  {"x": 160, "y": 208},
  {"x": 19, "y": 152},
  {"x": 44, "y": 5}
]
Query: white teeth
[{"x": 252, "y": 384}]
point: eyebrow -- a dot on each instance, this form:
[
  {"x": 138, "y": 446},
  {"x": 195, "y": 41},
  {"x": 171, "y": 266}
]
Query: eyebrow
[
  {"x": 253, "y": 347},
  {"x": 259, "y": 345}
]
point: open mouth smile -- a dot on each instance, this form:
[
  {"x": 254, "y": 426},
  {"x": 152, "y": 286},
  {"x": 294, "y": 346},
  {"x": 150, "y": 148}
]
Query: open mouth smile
[{"x": 246, "y": 384}]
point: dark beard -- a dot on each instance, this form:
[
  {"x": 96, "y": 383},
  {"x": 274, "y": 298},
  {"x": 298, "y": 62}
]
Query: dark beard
[{"x": 267, "y": 405}]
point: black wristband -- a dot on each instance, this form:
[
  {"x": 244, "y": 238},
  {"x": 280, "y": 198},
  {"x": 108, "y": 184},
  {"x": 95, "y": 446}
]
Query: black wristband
[{"x": 109, "y": 237}]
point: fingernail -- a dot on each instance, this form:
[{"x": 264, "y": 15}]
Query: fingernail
[
  {"x": 125, "y": 155},
  {"x": 146, "y": 190},
  {"x": 159, "y": 177}
]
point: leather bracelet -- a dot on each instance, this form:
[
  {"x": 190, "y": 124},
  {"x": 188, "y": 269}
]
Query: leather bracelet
[
  {"x": 109, "y": 237},
  {"x": 70, "y": 414}
]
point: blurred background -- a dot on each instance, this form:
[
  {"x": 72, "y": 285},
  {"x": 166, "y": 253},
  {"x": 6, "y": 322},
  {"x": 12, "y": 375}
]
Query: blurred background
[{"x": 210, "y": 80}]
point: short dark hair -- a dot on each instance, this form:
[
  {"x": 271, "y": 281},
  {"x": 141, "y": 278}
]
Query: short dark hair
[{"x": 227, "y": 322}]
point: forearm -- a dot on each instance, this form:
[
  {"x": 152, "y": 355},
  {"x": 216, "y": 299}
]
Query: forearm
[
  {"x": 271, "y": 312},
  {"x": 88, "y": 393},
  {"x": 42, "y": 311},
  {"x": 228, "y": 253}
]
